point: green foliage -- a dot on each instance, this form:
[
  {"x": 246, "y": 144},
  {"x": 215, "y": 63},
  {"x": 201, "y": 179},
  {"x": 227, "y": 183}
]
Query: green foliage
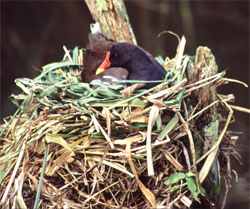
[
  {"x": 192, "y": 183},
  {"x": 160, "y": 59},
  {"x": 169, "y": 127}
]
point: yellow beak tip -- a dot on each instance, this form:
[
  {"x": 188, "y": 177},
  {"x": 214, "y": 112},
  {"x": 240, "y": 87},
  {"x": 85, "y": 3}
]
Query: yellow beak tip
[{"x": 99, "y": 70}]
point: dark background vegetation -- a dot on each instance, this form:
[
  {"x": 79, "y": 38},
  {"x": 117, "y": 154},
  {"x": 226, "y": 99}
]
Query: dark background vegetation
[{"x": 33, "y": 33}]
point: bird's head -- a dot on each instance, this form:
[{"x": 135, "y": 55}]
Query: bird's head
[{"x": 119, "y": 55}]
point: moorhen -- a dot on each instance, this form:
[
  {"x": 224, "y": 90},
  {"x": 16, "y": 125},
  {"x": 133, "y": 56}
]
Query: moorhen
[
  {"x": 93, "y": 56},
  {"x": 139, "y": 63}
]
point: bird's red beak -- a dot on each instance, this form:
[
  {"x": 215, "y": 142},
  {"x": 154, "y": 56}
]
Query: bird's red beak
[{"x": 105, "y": 64}]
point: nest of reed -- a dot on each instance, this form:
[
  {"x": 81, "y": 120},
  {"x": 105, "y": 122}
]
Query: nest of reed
[{"x": 70, "y": 145}]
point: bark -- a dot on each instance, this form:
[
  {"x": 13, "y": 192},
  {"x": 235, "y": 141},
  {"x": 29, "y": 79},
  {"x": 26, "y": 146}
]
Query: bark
[
  {"x": 207, "y": 125},
  {"x": 113, "y": 18}
]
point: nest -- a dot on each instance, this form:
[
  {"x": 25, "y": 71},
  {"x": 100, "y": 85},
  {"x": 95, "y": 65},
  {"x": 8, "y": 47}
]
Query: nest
[{"x": 70, "y": 145}]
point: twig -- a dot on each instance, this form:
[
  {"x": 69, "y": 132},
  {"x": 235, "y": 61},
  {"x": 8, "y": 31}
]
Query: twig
[
  {"x": 191, "y": 141},
  {"x": 241, "y": 109}
]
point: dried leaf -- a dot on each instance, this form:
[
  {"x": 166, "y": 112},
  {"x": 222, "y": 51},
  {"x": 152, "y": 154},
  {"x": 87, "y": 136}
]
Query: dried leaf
[
  {"x": 148, "y": 194},
  {"x": 95, "y": 170},
  {"x": 128, "y": 91},
  {"x": 57, "y": 139},
  {"x": 66, "y": 157},
  {"x": 152, "y": 118}
]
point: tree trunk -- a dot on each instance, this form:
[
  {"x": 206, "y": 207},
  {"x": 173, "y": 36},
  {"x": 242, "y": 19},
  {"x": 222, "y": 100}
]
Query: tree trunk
[
  {"x": 207, "y": 125},
  {"x": 113, "y": 18}
]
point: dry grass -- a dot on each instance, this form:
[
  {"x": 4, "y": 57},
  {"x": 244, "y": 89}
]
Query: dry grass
[{"x": 71, "y": 146}]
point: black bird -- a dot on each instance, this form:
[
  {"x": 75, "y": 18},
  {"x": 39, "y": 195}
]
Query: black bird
[{"x": 139, "y": 63}]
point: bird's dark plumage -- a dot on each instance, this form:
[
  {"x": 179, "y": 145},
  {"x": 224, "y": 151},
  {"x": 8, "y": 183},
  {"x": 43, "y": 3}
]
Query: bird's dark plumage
[
  {"x": 121, "y": 61},
  {"x": 140, "y": 64}
]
